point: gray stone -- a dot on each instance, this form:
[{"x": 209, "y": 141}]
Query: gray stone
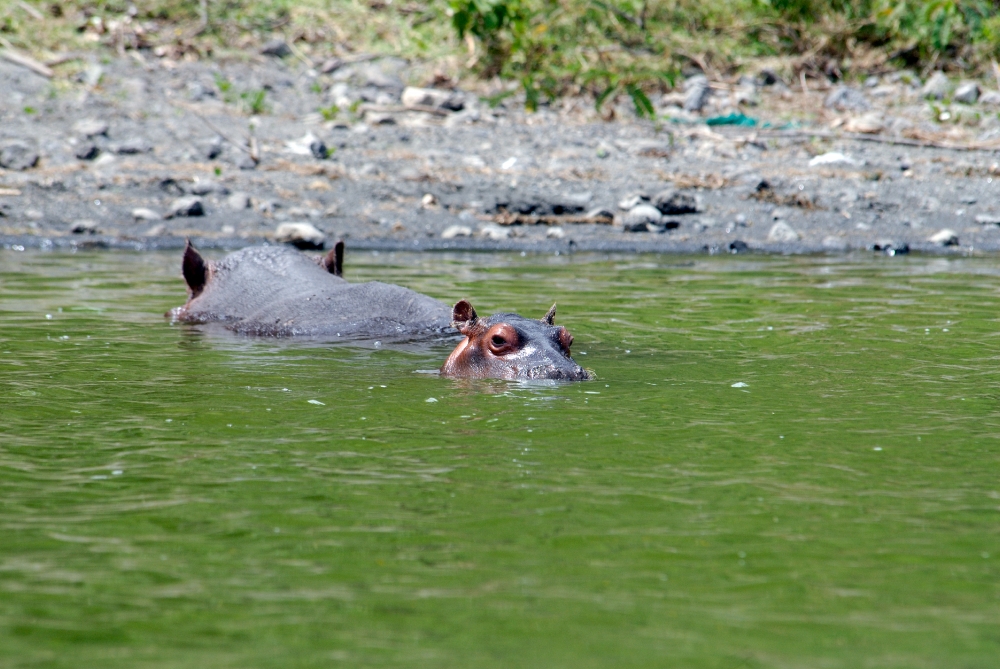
[
  {"x": 85, "y": 227},
  {"x": 156, "y": 231},
  {"x": 494, "y": 232},
  {"x": 640, "y": 217},
  {"x": 674, "y": 202},
  {"x": 301, "y": 235},
  {"x": 132, "y": 146},
  {"x": 18, "y": 156},
  {"x": 988, "y": 219},
  {"x": 600, "y": 212},
  {"x": 238, "y": 201},
  {"x": 634, "y": 200},
  {"x": 186, "y": 206},
  {"x": 206, "y": 187},
  {"x": 87, "y": 151},
  {"x": 846, "y": 98},
  {"x": 277, "y": 48},
  {"x": 318, "y": 149},
  {"x": 937, "y": 87},
  {"x": 212, "y": 149},
  {"x": 967, "y": 92},
  {"x": 144, "y": 214},
  {"x": 945, "y": 237},
  {"x": 432, "y": 97},
  {"x": 782, "y": 233},
  {"x": 991, "y": 98},
  {"x": 697, "y": 91},
  {"x": 90, "y": 128},
  {"x": 832, "y": 243},
  {"x": 456, "y": 231}
]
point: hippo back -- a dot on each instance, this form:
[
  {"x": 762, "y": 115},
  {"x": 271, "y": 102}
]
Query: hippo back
[{"x": 277, "y": 291}]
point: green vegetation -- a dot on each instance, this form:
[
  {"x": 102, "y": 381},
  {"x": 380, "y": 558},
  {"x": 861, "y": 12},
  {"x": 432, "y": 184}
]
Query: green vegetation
[
  {"x": 547, "y": 48},
  {"x": 249, "y": 102}
]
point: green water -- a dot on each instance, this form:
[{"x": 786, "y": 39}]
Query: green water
[{"x": 171, "y": 498}]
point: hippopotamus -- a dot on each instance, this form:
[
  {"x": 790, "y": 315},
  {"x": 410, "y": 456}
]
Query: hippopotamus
[{"x": 278, "y": 291}]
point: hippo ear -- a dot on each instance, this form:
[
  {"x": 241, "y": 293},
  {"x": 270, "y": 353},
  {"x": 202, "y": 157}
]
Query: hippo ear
[
  {"x": 194, "y": 269},
  {"x": 550, "y": 317},
  {"x": 333, "y": 261},
  {"x": 463, "y": 316}
]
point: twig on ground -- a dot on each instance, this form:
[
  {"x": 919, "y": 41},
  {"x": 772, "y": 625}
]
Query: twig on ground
[
  {"x": 34, "y": 13},
  {"x": 249, "y": 148},
  {"x": 10, "y": 54}
]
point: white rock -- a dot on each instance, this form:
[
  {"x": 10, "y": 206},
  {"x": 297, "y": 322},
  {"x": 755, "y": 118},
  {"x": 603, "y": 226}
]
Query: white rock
[
  {"x": 869, "y": 124},
  {"x": 988, "y": 219},
  {"x": 640, "y": 217},
  {"x": 456, "y": 231},
  {"x": 144, "y": 214},
  {"x": 90, "y": 127},
  {"x": 300, "y": 234},
  {"x": 555, "y": 233},
  {"x": 431, "y": 97},
  {"x": 831, "y": 158},
  {"x": 945, "y": 237},
  {"x": 301, "y": 146},
  {"x": 494, "y": 232},
  {"x": 238, "y": 201},
  {"x": 937, "y": 86},
  {"x": 967, "y": 92},
  {"x": 156, "y": 231},
  {"x": 782, "y": 233},
  {"x": 991, "y": 98}
]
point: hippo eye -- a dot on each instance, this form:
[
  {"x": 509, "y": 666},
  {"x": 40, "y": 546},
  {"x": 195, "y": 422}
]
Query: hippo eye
[{"x": 498, "y": 341}]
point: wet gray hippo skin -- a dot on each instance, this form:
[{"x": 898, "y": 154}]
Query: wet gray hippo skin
[{"x": 278, "y": 291}]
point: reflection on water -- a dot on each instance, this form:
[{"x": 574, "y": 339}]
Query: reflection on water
[{"x": 782, "y": 462}]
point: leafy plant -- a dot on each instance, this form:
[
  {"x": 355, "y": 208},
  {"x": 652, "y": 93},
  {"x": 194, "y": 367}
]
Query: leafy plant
[{"x": 329, "y": 113}]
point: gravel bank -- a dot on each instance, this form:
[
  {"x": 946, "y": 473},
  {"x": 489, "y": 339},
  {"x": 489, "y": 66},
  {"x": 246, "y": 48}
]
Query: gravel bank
[{"x": 129, "y": 154}]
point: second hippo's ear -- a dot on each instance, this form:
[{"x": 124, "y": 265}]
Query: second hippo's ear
[
  {"x": 194, "y": 269},
  {"x": 463, "y": 316},
  {"x": 334, "y": 260},
  {"x": 550, "y": 317}
]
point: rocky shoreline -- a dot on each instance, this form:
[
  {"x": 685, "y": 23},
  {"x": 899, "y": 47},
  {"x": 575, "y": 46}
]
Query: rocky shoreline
[{"x": 140, "y": 153}]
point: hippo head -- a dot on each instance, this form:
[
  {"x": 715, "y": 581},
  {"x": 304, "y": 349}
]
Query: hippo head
[{"x": 509, "y": 346}]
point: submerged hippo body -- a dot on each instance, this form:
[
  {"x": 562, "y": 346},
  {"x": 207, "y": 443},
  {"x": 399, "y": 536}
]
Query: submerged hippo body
[{"x": 278, "y": 291}]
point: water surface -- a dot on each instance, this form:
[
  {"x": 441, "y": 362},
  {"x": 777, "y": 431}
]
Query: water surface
[{"x": 783, "y": 462}]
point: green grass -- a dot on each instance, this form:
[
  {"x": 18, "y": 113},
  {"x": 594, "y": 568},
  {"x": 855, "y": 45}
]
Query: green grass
[{"x": 548, "y": 48}]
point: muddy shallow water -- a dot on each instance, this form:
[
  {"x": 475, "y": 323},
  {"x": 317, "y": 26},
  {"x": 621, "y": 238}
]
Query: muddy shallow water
[{"x": 782, "y": 462}]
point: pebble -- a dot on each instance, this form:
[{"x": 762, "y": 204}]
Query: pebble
[
  {"x": 831, "y": 158},
  {"x": 186, "y": 206},
  {"x": 238, "y": 201},
  {"x": 133, "y": 146},
  {"x": 318, "y": 149},
  {"x": 846, "y": 98},
  {"x": 301, "y": 235},
  {"x": 673, "y": 202},
  {"x": 630, "y": 201},
  {"x": 600, "y": 212},
  {"x": 494, "y": 232},
  {"x": 868, "y": 124},
  {"x": 697, "y": 91},
  {"x": 205, "y": 187},
  {"x": 90, "y": 128},
  {"x": 945, "y": 237},
  {"x": 991, "y": 98},
  {"x": 156, "y": 231},
  {"x": 87, "y": 151},
  {"x": 212, "y": 149},
  {"x": 555, "y": 233},
  {"x": 18, "y": 156},
  {"x": 84, "y": 227},
  {"x": 937, "y": 86},
  {"x": 967, "y": 92},
  {"x": 144, "y": 214},
  {"x": 640, "y": 217},
  {"x": 456, "y": 231},
  {"x": 432, "y": 97},
  {"x": 988, "y": 219},
  {"x": 782, "y": 233},
  {"x": 277, "y": 48},
  {"x": 738, "y": 246}
]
